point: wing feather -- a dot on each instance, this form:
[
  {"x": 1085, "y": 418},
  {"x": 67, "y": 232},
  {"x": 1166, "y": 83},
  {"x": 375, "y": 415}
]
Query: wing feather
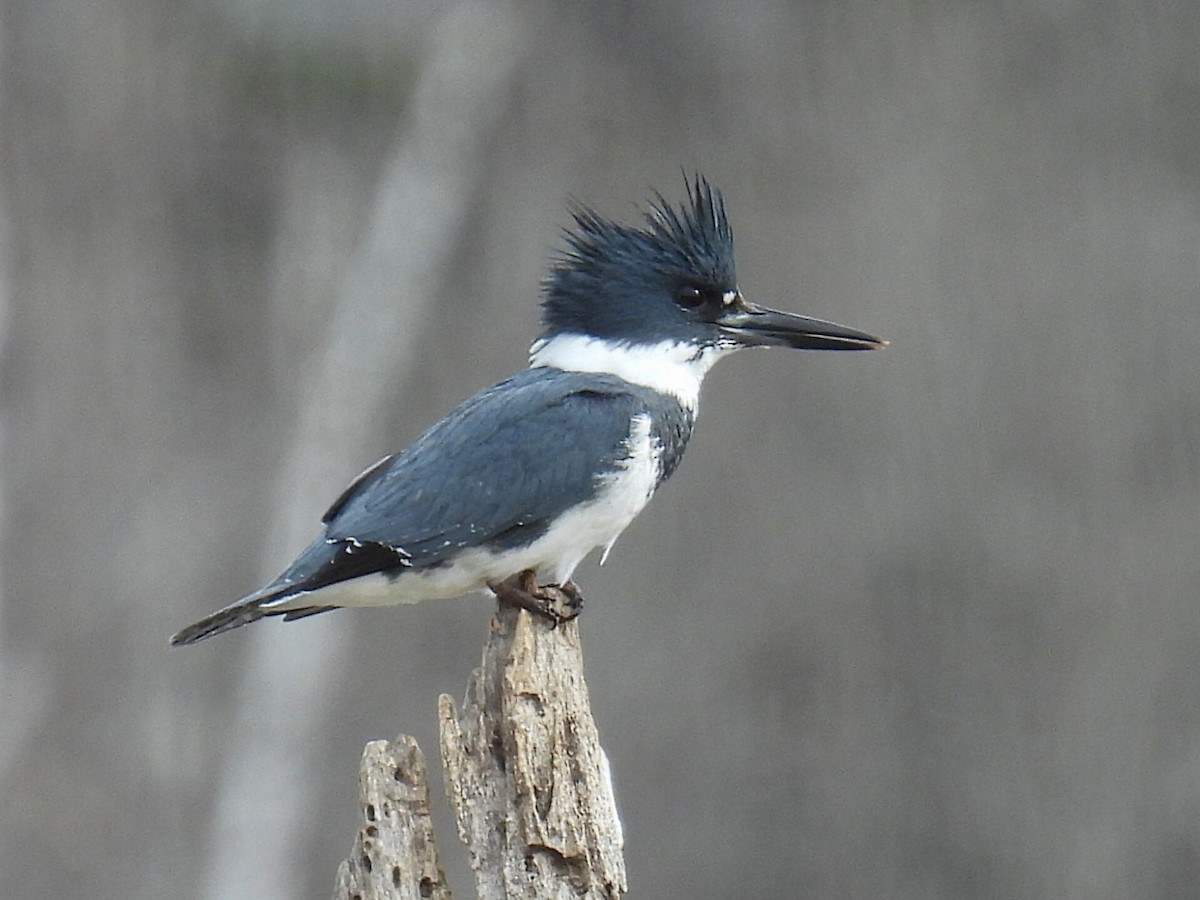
[{"x": 496, "y": 471}]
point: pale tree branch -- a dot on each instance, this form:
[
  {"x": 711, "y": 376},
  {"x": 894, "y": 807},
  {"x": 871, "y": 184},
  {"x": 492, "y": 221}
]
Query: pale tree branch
[
  {"x": 395, "y": 855},
  {"x": 527, "y": 778},
  {"x": 528, "y": 782}
]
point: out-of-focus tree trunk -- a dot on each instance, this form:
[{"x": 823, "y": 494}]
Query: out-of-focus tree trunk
[
  {"x": 134, "y": 228},
  {"x": 392, "y": 279}
]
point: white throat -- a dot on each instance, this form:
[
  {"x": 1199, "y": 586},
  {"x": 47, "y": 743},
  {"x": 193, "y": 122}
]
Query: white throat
[{"x": 668, "y": 367}]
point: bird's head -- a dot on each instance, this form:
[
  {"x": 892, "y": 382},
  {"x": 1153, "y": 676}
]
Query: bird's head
[
  {"x": 663, "y": 290},
  {"x": 673, "y": 279}
]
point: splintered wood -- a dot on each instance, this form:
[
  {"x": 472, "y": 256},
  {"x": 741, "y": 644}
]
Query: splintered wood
[
  {"x": 394, "y": 855},
  {"x": 527, "y": 778},
  {"x": 528, "y": 783}
]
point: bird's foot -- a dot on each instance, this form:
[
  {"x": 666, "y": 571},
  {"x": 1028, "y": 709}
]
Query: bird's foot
[{"x": 557, "y": 602}]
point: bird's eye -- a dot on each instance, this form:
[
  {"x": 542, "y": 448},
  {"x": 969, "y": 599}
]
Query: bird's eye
[{"x": 691, "y": 297}]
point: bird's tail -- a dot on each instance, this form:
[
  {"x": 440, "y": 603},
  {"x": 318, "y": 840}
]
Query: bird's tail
[{"x": 249, "y": 609}]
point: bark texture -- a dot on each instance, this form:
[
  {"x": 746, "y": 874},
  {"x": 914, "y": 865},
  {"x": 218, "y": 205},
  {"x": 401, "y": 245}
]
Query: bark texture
[
  {"x": 528, "y": 783},
  {"x": 527, "y": 779},
  {"x": 394, "y": 856}
]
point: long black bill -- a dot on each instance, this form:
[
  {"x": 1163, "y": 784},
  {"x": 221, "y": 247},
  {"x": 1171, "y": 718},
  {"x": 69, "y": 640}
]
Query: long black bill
[{"x": 757, "y": 326}]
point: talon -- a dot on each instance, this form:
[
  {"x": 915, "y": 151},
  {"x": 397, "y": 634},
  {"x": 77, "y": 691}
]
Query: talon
[
  {"x": 558, "y": 603},
  {"x": 528, "y": 582},
  {"x": 573, "y": 603}
]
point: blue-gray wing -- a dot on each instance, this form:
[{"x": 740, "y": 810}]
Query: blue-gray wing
[{"x": 496, "y": 471}]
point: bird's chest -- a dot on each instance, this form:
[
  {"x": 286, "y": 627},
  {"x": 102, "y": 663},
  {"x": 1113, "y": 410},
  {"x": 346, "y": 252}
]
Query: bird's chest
[
  {"x": 652, "y": 452},
  {"x": 628, "y": 487}
]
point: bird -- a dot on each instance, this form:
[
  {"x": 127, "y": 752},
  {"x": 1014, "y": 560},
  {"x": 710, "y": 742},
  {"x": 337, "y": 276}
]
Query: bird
[{"x": 517, "y": 485}]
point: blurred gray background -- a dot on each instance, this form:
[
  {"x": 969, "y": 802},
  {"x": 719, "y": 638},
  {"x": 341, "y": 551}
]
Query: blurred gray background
[{"x": 915, "y": 624}]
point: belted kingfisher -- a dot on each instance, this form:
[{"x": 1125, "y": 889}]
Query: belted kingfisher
[{"x": 517, "y": 485}]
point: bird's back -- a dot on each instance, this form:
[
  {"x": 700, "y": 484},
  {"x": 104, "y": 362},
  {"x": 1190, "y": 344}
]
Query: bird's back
[
  {"x": 504, "y": 464},
  {"x": 489, "y": 479}
]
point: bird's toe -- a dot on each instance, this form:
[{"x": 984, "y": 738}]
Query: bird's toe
[{"x": 558, "y": 603}]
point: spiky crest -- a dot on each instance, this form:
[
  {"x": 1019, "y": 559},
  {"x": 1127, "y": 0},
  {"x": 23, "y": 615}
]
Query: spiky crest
[{"x": 608, "y": 272}]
